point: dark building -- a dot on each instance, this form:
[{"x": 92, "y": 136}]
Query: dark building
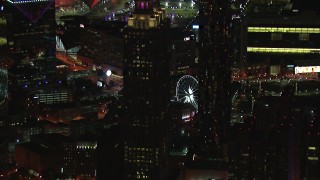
[
  {"x": 103, "y": 43},
  {"x": 80, "y": 158},
  {"x": 238, "y": 35},
  {"x": 280, "y": 140},
  {"x": 31, "y": 43},
  {"x": 109, "y": 152},
  {"x": 3, "y": 63},
  {"x": 183, "y": 52},
  {"x": 31, "y": 38},
  {"x": 282, "y": 37},
  {"x": 146, "y": 92},
  {"x": 214, "y": 73},
  {"x": 42, "y": 156},
  {"x": 4, "y": 152},
  {"x": 3, "y": 31}
]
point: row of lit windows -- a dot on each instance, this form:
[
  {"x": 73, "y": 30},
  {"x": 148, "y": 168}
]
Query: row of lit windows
[
  {"x": 283, "y": 50},
  {"x": 141, "y": 177},
  {"x": 140, "y": 149},
  {"x": 313, "y": 158},
  {"x": 140, "y": 161},
  {"x": 53, "y": 97},
  {"x": 140, "y": 155},
  {"x": 284, "y": 30},
  {"x": 142, "y": 65},
  {"x": 141, "y": 61},
  {"x": 86, "y": 147},
  {"x": 26, "y": 1}
]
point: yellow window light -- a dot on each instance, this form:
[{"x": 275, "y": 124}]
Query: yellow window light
[
  {"x": 283, "y": 50},
  {"x": 284, "y": 30}
]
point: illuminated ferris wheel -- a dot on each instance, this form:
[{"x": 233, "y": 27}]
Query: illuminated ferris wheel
[{"x": 187, "y": 90}]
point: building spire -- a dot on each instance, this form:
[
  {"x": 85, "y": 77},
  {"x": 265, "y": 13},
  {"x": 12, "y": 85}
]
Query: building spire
[{"x": 147, "y": 14}]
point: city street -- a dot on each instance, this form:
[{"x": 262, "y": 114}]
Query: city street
[{"x": 73, "y": 65}]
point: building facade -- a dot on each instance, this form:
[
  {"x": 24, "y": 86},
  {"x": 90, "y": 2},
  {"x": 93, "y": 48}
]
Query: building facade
[
  {"x": 214, "y": 72},
  {"x": 3, "y": 63},
  {"x": 282, "y": 39},
  {"x": 146, "y": 92}
]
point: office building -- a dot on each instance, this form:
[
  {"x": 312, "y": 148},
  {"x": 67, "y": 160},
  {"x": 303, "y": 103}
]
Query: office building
[
  {"x": 283, "y": 37},
  {"x": 42, "y": 157},
  {"x": 183, "y": 53},
  {"x": 3, "y": 32},
  {"x": 103, "y": 43},
  {"x": 146, "y": 92},
  {"x": 31, "y": 38},
  {"x": 214, "y": 73},
  {"x": 3, "y": 63},
  {"x": 109, "y": 152},
  {"x": 279, "y": 145},
  {"x": 80, "y": 159},
  {"x": 31, "y": 43}
]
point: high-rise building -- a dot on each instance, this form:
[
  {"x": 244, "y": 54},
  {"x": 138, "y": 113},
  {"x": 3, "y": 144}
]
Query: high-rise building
[
  {"x": 31, "y": 38},
  {"x": 109, "y": 151},
  {"x": 3, "y": 28},
  {"x": 3, "y": 63},
  {"x": 80, "y": 159},
  {"x": 214, "y": 72},
  {"x": 110, "y": 35},
  {"x": 31, "y": 43},
  {"x": 279, "y": 142},
  {"x": 146, "y": 91},
  {"x": 238, "y": 35},
  {"x": 282, "y": 38}
]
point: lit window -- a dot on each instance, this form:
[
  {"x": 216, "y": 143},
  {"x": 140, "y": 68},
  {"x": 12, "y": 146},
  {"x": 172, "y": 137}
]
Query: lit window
[
  {"x": 312, "y": 148},
  {"x": 283, "y": 30},
  {"x": 282, "y": 50},
  {"x": 313, "y": 158}
]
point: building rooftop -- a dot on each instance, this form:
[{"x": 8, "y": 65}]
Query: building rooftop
[
  {"x": 37, "y": 148},
  {"x": 52, "y": 140},
  {"x": 110, "y": 27}
]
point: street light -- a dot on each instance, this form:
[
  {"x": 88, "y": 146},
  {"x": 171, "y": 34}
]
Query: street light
[{"x": 108, "y": 73}]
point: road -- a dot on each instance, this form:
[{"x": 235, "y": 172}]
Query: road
[{"x": 74, "y": 66}]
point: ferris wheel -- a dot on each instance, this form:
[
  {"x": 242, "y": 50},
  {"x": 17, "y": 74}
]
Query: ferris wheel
[{"x": 187, "y": 90}]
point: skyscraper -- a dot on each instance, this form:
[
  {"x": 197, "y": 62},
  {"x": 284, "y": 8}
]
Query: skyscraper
[
  {"x": 3, "y": 24},
  {"x": 215, "y": 69},
  {"x": 3, "y": 63},
  {"x": 3, "y": 34},
  {"x": 31, "y": 43},
  {"x": 146, "y": 92},
  {"x": 31, "y": 38}
]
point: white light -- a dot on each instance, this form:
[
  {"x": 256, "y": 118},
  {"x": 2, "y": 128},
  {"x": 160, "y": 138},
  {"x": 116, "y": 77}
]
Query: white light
[
  {"x": 189, "y": 96},
  {"x": 307, "y": 69},
  {"x": 195, "y": 26},
  {"x": 99, "y": 84},
  {"x": 166, "y": 3},
  {"x": 108, "y": 73}
]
